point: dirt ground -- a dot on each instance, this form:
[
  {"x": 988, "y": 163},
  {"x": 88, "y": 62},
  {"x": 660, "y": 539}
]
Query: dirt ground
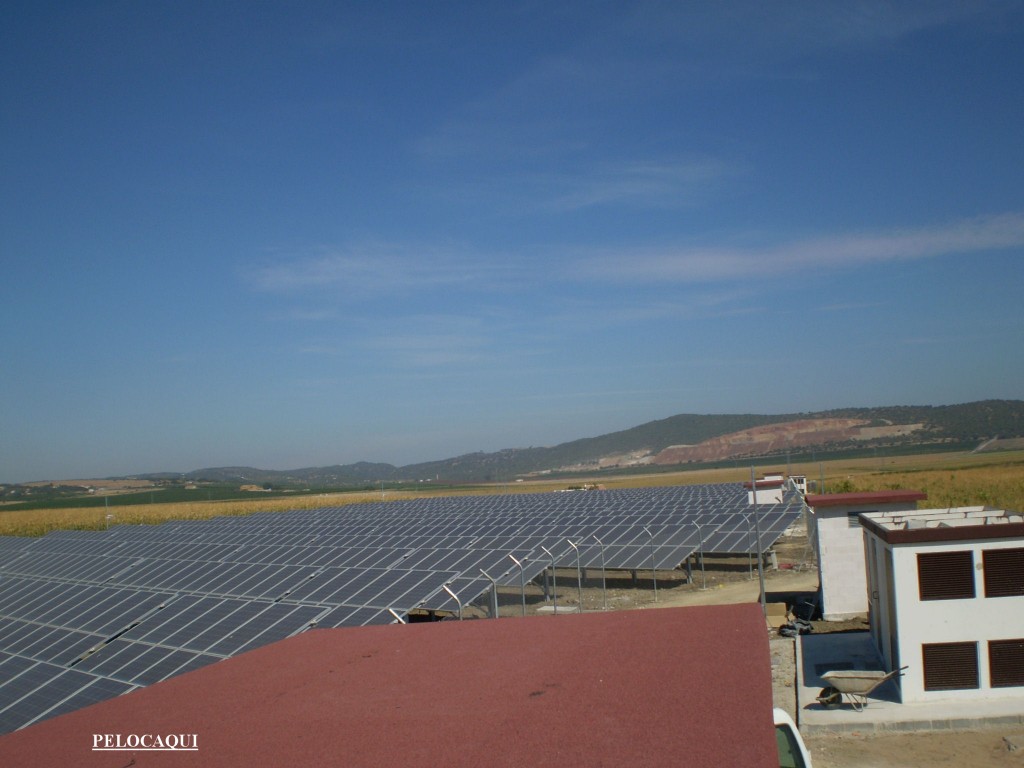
[
  {"x": 986, "y": 748},
  {"x": 735, "y": 580}
]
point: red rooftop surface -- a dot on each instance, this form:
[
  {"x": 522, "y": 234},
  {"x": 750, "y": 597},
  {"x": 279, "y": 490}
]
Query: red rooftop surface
[
  {"x": 662, "y": 687},
  {"x": 864, "y": 497}
]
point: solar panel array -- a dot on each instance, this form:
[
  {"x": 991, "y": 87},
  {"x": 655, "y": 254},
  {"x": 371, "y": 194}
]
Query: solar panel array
[{"x": 88, "y": 615}]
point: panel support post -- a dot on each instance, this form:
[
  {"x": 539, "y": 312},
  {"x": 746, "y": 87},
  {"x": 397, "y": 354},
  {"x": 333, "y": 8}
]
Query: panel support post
[
  {"x": 604, "y": 579},
  {"x": 455, "y": 597},
  {"x": 522, "y": 580},
  {"x": 554, "y": 579},
  {"x": 654, "y": 572},
  {"x": 700, "y": 549},
  {"x": 494, "y": 594},
  {"x": 579, "y": 573}
]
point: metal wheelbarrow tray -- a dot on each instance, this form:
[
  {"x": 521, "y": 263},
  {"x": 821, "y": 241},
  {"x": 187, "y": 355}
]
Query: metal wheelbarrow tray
[{"x": 855, "y": 684}]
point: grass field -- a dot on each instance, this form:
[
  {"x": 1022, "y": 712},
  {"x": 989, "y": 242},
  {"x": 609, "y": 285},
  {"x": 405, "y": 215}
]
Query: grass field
[
  {"x": 949, "y": 479},
  {"x": 994, "y": 480}
]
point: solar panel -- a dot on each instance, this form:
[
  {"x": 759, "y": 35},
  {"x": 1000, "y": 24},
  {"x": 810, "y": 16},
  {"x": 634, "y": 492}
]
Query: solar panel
[
  {"x": 132, "y": 605},
  {"x": 350, "y": 616},
  {"x": 10, "y": 544},
  {"x": 37, "y": 690},
  {"x": 32, "y": 690},
  {"x": 100, "y": 689},
  {"x": 86, "y": 607},
  {"x": 466, "y": 589},
  {"x": 274, "y": 622},
  {"x": 64, "y": 565},
  {"x": 46, "y": 643},
  {"x": 402, "y": 589},
  {"x": 142, "y": 663}
]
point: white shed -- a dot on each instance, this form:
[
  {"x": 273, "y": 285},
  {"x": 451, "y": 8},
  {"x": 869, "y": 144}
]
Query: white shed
[
  {"x": 769, "y": 490},
  {"x": 834, "y": 528},
  {"x": 947, "y": 600}
]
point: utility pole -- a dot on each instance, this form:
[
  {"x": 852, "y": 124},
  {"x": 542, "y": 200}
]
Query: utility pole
[{"x": 757, "y": 533}]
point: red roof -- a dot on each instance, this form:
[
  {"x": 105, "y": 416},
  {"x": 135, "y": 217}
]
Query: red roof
[
  {"x": 864, "y": 497},
  {"x": 638, "y": 688}
]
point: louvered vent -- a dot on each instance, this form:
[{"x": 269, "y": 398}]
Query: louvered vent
[
  {"x": 945, "y": 575},
  {"x": 950, "y": 666},
  {"x": 1004, "y": 572},
  {"x": 1006, "y": 663}
]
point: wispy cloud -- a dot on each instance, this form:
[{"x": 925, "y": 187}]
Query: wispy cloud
[
  {"x": 749, "y": 27},
  {"x": 651, "y": 183},
  {"x": 847, "y": 306},
  {"x": 303, "y": 314},
  {"x": 374, "y": 270},
  {"x": 581, "y": 315},
  {"x": 577, "y": 183},
  {"x": 431, "y": 349},
  {"x": 860, "y": 22},
  {"x": 410, "y": 350},
  {"x": 416, "y": 341},
  {"x": 570, "y": 96},
  {"x": 983, "y": 233}
]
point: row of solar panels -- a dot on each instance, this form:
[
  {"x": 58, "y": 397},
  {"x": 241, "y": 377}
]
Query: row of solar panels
[
  {"x": 621, "y": 505},
  {"x": 66, "y": 644},
  {"x": 459, "y": 551},
  {"x": 86, "y": 614},
  {"x": 256, "y": 569},
  {"x": 405, "y": 525}
]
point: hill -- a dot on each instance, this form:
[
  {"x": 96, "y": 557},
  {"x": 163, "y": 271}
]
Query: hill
[{"x": 685, "y": 439}]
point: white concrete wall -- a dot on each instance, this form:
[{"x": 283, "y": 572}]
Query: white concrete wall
[
  {"x": 882, "y": 606},
  {"x": 771, "y": 495},
  {"x": 945, "y": 621},
  {"x": 840, "y": 550},
  {"x": 840, "y": 565}
]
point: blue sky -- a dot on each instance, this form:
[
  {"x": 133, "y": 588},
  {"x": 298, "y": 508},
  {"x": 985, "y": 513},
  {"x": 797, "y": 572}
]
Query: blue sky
[{"x": 298, "y": 234}]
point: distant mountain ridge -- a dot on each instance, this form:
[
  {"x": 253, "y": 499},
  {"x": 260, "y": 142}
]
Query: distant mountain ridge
[{"x": 679, "y": 439}]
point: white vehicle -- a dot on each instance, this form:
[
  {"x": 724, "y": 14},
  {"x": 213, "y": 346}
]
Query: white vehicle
[{"x": 792, "y": 751}]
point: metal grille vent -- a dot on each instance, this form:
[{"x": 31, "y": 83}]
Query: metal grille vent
[
  {"x": 950, "y": 666},
  {"x": 1006, "y": 663},
  {"x": 1004, "y": 572},
  {"x": 946, "y": 575}
]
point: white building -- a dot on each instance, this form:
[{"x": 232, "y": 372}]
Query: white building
[
  {"x": 947, "y": 600},
  {"x": 834, "y": 528},
  {"x": 769, "y": 489}
]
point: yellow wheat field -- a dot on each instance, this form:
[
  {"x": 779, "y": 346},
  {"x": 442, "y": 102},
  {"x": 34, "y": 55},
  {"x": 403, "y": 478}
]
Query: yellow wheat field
[{"x": 949, "y": 479}]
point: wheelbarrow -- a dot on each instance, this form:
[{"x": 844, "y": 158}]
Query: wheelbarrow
[{"x": 855, "y": 684}]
